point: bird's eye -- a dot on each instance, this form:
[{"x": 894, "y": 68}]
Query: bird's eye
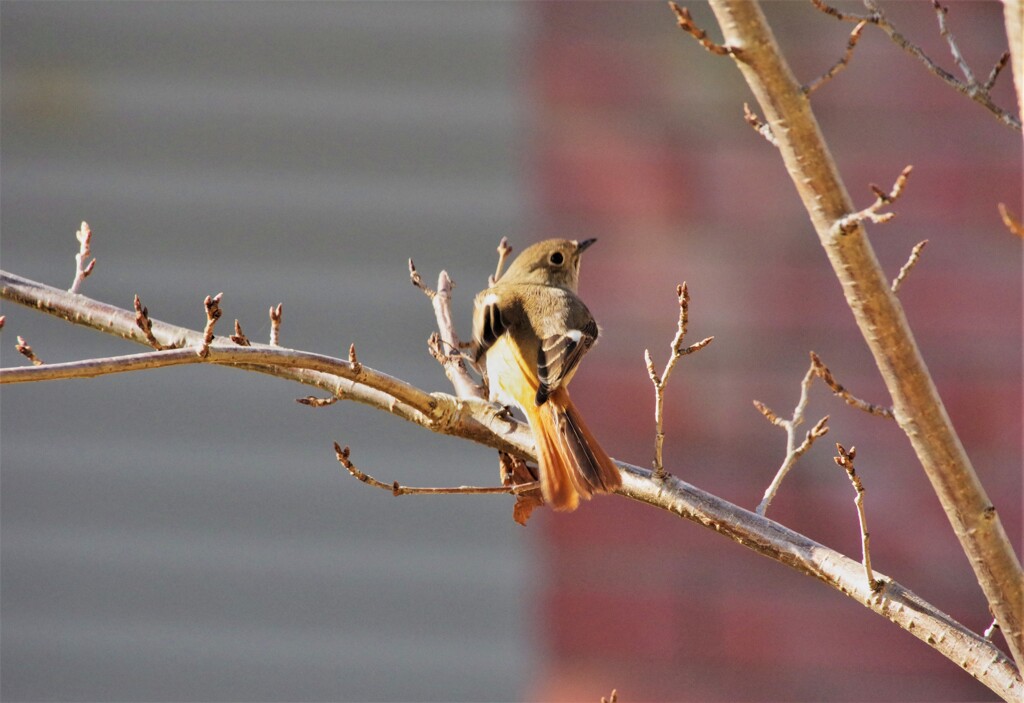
[{"x": 556, "y": 259}]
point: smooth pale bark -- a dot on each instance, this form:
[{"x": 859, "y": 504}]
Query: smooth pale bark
[{"x": 918, "y": 408}]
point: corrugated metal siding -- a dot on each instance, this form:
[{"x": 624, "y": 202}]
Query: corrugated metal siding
[{"x": 187, "y": 534}]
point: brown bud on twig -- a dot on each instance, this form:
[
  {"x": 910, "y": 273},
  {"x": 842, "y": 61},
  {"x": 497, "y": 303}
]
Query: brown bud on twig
[
  {"x": 25, "y": 350},
  {"x": 276, "y": 313},
  {"x": 213, "y": 313},
  {"x": 82, "y": 269},
  {"x": 239, "y": 337}
]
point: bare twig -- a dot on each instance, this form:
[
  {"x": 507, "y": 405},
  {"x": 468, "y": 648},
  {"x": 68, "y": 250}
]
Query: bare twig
[
  {"x": 839, "y": 65},
  {"x": 417, "y": 280},
  {"x": 793, "y": 450},
  {"x": 915, "y": 255},
  {"x": 685, "y": 22},
  {"x": 335, "y": 376},
  {"x": 239, "y": 337},
  {"x": 946, "y": 34},
  {"x": 825, "y": 374},
  {"x": 398, "y": 490},
  {"x": 504, "y": 249},
  {"x": 1000, "y": 64},
  {"x": 843, "y": 16},
  {"x": 978, "y": 92},
  {"x": 444, "y": 345},
  {"x": 213, "y": 313},
  {"x": 845, "y": 460},
  {"x": 677, "y": 351},
  {"x": 145, "y": 324},
  {"x": 847, "y": 224},
  {"x": 26, "y": 351},
  {"x": 1011, "y": 222},
  {"x": 276, "y": 314},
  {"x": 613, "y": 698},
  {"x": 758, "y": 126},
  {"x": 82, "y": 269},
  {"x": 893, "y": 601},
  {"x": 314, "y": 402}
]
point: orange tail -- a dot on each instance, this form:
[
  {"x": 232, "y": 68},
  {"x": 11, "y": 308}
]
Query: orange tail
[{"x": 572, "y": 463}]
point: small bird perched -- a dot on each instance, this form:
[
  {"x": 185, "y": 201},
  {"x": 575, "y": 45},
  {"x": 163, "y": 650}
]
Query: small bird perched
[{"x": 530, "y": 331}]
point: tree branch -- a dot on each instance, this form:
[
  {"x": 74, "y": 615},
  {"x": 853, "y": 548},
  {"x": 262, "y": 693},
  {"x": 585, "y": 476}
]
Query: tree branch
[
  {"x": 916, "y": 403},
  {"x": 845, "y": 460},
  {"x": 1013, "y": 18},
  {"x": 793, "y": 451},
  {"x": 677, "y": 350},
  {"x": 974, "y": 90},
  {"x": 484, "y": 423},
  {"x": 82, "y": 269}
]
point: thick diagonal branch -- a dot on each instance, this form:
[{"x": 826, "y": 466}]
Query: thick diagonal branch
[
  {"x": 482, "y": 422},
  {"x": 916, "y": 403}
]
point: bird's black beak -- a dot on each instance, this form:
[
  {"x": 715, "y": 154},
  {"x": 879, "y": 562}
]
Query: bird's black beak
[{"x": 580, "y": 246}]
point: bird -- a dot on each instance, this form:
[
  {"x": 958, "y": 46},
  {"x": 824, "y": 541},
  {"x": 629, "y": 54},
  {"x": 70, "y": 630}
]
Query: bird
[{"x": 530, "y": 332}]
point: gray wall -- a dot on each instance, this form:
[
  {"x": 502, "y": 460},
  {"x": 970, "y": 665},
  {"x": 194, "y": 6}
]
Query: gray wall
[{"x": 186, "y": 533}]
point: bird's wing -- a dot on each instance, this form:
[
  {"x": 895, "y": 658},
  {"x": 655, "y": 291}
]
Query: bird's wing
[{"x": 559, "y": 355}]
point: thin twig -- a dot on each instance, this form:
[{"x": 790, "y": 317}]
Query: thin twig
[
  {"x": 213, "y": 313},
  {"x": 845, "y": 460},
  {"x": 1011, "y": 222},
  {"x": 685, "y": 22},
  {"x": 82, "y": 269},
  {"x": 417, "y": 280},
  {"x": 677, "y": 351},
  {"x": 145, "y": 324},
  {"x": 26, "y": 351},
  {"x": 372, "y": 388},
  {"x": 825, "y": 374},
  {"x": 613, "y": 698},
  {"x": 504, "y": 249},
  {"x": 839, "y": 65},
  {"x": 3, "y": 319},
  {"x": 758, "y": 126},
  {"x": 793, "y": 450},
  {"x": 979, "y": 93},
  {"x": 239, "y": 337},
  {"x": 946, "y": 34},
  {"x": 915, "y": 255},
  {"x": 444, "y": 344},
  {"x": 996, "y": 70},
  {"x": 276, "y": 314},
  {"x": 847, "y": 224},
  {"x": 399, "y": 490}
]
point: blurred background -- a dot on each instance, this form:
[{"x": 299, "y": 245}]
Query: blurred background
[{"x": 186, "y": 534}]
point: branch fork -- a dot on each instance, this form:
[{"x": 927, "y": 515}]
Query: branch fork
[
  {"x": 82, "y": 269},
  {"x": 686, "y": 23},
  {"x": 794, "y": 451},
  {"x": 677, "y": 351},
  {"x": 849, "y": 223}
]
